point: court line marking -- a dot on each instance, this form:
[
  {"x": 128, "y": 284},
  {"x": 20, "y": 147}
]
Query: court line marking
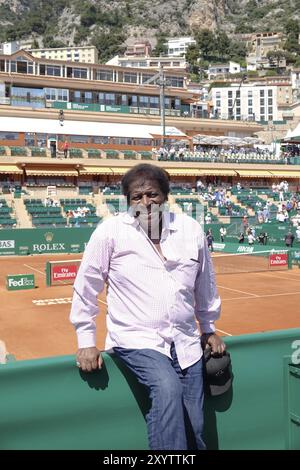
[
  {"x": 225, "y": 332},
  {"x": 34, "y": 269},
  {"x": 270, "y": 276},
  {"x": 236, "y": 290},
  {"x": 262, "y": 296}
]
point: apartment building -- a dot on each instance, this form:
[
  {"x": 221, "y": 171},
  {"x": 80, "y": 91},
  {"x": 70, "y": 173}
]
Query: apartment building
[
  {"x": 179, "y": 46},
  {"x": 246, "y": 102},
  {"x": 149, "y": 62},
  {"x": 85, "y": 54}
]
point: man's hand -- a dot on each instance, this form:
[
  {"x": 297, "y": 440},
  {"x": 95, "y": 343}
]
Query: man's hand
[
  {"x": 214, "y": 341},
  {"x": 89, "y": 359}
]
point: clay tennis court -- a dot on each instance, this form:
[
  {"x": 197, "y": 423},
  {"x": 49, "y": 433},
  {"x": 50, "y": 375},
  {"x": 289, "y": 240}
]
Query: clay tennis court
[{"x": 35, "y": 323}]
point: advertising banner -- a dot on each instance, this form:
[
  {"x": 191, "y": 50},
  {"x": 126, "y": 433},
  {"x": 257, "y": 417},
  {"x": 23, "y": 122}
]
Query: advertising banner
[{"x": 20, "y": 281}]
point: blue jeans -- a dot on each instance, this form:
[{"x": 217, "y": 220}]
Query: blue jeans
[{"x": 175, "y": 419}]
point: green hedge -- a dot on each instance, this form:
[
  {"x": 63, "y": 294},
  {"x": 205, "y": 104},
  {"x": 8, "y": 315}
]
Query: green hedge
[
  {"x": 112, "y": 153},
  {"x": 17, "y": 151},
  {"x": 38, "y": 152},
  {"x": 94, "y": 153},
  {"x": 77, "y": 153},
  {"x": 129, "y": 154},
  {"x": 146, "y": 155}
]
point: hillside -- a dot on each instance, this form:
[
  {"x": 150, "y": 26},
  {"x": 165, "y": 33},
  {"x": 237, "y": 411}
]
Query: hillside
[{"x": 111, "y": 25}]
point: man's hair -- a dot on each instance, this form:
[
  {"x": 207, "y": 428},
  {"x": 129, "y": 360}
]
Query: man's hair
[{"x": 149, "y": 173}]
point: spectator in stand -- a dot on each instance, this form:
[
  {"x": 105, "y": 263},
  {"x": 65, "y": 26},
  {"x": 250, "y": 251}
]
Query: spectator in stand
[
  {"x": 245, "y": 223},
  {"x": 298, "y": 234},
  {"x": 223, "y": 233},
  {"x": 207, "y": 218},
  {"x": 210, "y": 240},
  {"x": 241, "y": 238},
  {"x": 251, "y": 238},
  {"x": 289, "y": 239}
]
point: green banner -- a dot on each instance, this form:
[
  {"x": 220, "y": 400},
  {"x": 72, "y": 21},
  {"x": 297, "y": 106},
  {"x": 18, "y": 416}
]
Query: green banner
[
  {"x": 20, "y": 281},
  {"x": 48, "y": 240},
  {"x": 90, "y": 107}
]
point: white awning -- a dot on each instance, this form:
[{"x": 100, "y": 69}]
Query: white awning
[{"x": 87, "y": 128}]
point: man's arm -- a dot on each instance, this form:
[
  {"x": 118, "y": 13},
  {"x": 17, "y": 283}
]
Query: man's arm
[
  {"x": 90, "y": 281},
  {"x": 207, "y": 302}
]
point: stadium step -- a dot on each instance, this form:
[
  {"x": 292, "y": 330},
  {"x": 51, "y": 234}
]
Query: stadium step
[{"x": 22, "y": 215}]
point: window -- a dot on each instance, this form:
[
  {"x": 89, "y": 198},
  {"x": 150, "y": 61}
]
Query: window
[
  {"x": 109, "y": 98},
  {"x": 250, "y": 102},
  {"x": 32, "y": 97},
  {"x": 262, "y": 101},
  {"x": 106, "y": 75},
  {"x": 144, "y": 101},
  {"x": 146, "y": 77},
  {"x": 154, "y": 102},
  {"x": 270, "y": 101},
  {"x": 270, "y": 92},
  {"x": 129, "y": 77},
  {"x": 262, "y": 92},
  {"x": 230, "y": 94},
  {"x": 13, "y": 66},
  {"x": 9, "y": 135},
  {"x": 80, "y": 139},
  {"x": 79, "y": 73},
  {"x": 218, "y": 103},
  {"x": 99, "y": 140},
  {"x": 53, "y": 70},
  {"x": 176, "y": 82},
  {"x": 270, "y": 117}
]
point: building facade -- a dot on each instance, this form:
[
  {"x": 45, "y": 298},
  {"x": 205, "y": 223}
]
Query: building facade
[
  {"x": 84, "y": 54},
  {"x": 149, "y": 62},
  {"x": 179, "y": 46}
]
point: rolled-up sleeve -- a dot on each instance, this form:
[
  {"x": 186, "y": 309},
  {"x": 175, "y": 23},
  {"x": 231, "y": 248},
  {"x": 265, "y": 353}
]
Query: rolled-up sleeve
[
  {"x": 207, "y": 300},
  {"x": 89, "y": 282}
]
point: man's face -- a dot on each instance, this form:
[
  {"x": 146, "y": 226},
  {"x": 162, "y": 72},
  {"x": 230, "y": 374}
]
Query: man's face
[
  {"x": 145, "y": 193},
  {"x": 146, "y": 199}
]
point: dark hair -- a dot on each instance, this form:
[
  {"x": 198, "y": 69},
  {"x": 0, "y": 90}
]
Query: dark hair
[{"x": 148, "y": 172}]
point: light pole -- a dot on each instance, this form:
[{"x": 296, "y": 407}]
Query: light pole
[
  {"x": 61, "y": 117},
  {"x": 160, "y": 80},
  {"x": 243, "y": 79}
]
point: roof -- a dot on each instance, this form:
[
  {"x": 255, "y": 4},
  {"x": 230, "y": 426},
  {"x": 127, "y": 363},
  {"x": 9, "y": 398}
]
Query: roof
[{"x": 89, "y": 128}]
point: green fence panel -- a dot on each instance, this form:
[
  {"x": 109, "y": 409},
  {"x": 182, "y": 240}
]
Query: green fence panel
[{"x": 50, "y": 404}]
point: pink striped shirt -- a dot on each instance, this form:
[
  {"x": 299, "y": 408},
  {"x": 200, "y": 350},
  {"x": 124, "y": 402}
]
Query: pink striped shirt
[{"x": 152, "y": 302}]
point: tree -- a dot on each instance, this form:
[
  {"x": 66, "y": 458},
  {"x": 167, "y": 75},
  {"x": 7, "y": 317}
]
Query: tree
[
  {"x": 160, "y": 48},
  {"x": 206, "y": 43},
  {"x": 275, "y": 57},
  {"x": 292, "y": 27},
  {"x": 192, "y": 58}
]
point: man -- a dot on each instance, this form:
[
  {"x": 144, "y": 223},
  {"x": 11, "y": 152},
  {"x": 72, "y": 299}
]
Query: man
[
  {"x": 210, "y": 240},
  {"x": 66, "y": 148},
  {"x": 160, "y": 280},
  {"x": 223, "y": 233},
  {"x": 289, "y": 239}
]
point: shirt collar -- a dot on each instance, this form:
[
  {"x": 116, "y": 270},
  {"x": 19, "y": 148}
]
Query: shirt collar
[{"x": 169, "y": 220}]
